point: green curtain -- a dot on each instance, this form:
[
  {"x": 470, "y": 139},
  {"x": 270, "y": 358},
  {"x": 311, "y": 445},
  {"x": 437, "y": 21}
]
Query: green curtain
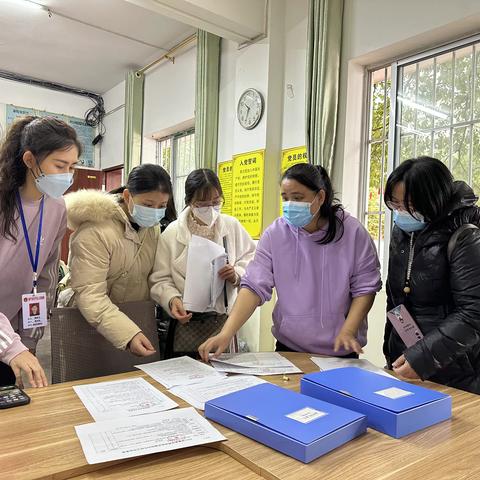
[
  {"x": 132, "y": 152},
  {"x": 322, "y": 83},
  {"x": 206, "y": 100}
]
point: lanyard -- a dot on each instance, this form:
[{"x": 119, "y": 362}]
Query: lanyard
[{"x": 33, "y": 261}]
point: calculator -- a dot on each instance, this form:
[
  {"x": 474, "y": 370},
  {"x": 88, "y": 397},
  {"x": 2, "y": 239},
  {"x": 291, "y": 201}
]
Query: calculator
[{"x": 12, "y": 396}]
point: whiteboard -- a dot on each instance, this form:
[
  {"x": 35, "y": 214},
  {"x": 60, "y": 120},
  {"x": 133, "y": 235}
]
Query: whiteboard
[{"x": 85, "y": 133}]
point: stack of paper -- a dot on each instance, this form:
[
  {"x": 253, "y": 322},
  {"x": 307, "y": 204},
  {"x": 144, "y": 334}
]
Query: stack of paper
[
  {"x": 330, "y": 363},
  {"x": 179, "y": 371},
  {"x": 203, "y": 285},
  {"x": 122, "y": 398},
  {"x": 200, "y": 393},
  {"x": 263, "y": 363},
  {"x": 157, "y": 432}
]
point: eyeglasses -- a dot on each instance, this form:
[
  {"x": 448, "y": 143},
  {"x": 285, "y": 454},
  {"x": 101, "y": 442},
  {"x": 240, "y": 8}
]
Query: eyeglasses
[{"x": 214, "y": 203}]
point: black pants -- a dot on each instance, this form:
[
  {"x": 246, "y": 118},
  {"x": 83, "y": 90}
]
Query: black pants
[
  {"x": 7, "y": 377},
  {"x": 280, "y": 347}
]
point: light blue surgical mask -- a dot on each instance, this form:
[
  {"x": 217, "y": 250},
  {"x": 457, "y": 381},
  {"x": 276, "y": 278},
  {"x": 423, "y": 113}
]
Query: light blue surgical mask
[
  {"x": 297, "y": 213},
  {"x": 407, "y": 223},
  {"x": 146, "y": 216},
  {"x": 54, "y": 185}
]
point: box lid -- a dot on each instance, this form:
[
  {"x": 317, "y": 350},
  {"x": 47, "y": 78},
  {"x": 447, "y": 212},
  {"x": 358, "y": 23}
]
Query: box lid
[
  {"x": 378, "y": 390},
  {"x": 302, "y": 418}
]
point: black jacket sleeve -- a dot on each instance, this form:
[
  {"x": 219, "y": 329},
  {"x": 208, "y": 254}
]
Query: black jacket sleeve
[{"x": 460, "y": 331}]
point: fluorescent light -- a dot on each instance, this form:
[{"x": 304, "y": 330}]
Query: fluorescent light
[
  {"x": 26, "y": 3},
  {"x": 412, "y": 130},
  {"x": 423, "y": 108}
]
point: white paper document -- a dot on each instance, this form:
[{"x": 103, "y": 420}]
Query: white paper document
[
  {"x": 203, "y": 286},
  {"x": 122, "y": 398},
  {"x": 179, "y": 371},
  {"x": 262, "y": 363},
  {"x": 158, "y": 432},
  {"x": 330, "y": 363},
  {"x": 254, "y": 360},
  {"x": 200, "y": 393}
]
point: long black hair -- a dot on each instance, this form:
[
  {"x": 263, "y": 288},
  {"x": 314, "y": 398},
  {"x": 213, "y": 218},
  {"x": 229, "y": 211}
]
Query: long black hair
[
  {"x": 316, "y": 178},
  {"x": 41, "y": 136},
  {"x": 429, "y": 188},
  {"x": 149, "y": 177},
  {"x": 199, "y": 185}
]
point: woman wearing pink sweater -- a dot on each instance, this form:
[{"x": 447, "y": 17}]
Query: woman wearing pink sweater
[{"x": 37, "y": 160}]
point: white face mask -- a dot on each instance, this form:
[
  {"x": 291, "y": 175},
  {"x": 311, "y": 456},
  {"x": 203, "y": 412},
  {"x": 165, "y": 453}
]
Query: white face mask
[{"x": 208, "y": 215}]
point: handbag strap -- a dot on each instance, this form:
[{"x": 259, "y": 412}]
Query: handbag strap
[{"x": 452, "y": 243}]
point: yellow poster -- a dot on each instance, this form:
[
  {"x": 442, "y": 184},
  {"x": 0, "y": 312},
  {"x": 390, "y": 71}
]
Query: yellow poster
[
  {"x": 290, "y": 157},
  {"x": 225, "y": 175},
  {"x": 247, "y": 202}
]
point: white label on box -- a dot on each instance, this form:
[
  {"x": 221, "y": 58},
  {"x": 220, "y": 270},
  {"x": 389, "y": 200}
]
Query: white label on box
[
  {"x": 306, "y": 415},
  {"x": 394, "y": 393}
]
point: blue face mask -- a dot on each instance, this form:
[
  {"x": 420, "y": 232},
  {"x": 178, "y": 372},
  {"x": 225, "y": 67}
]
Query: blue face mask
[
  {"x": 54, "y": 185},
  {"x": 147, "y": 217},
  {"x": 297, "y": 213},
  {"x": 407, "y": 223}
]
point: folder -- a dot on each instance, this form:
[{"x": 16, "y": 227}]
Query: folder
[
  {"x": 393, "y": 407},
  {"x": 299, "y": 426}
]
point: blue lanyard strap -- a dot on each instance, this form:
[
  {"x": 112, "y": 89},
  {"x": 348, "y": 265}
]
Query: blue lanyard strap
[{"x": 33, "y": 261}]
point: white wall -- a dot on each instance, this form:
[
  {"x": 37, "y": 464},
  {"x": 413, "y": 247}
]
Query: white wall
[
  {"x": 112, "y": 144},
  {"x": 24, "y": 95},
  {"x": 295, "y": 71},
  {"x": 170, "y": 93}
]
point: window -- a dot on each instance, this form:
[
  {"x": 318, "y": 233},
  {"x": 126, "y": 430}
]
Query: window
[
  {"x": 438, "y": 111},
  {"x": 424, "y": 105},
  {"x": 377, "y": 154},
  {"x": 177, "y": 155}
]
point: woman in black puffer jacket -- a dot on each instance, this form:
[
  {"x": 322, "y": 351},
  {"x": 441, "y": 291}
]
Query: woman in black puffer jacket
[{"x": 441, "y": 294}]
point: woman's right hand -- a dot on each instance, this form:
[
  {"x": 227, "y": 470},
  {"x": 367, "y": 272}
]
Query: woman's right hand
[
  {"x": 178, "y": 310},
  {"x": 141, "y": 346},
  {"x": 218, "y": 344},
  {"x": 29, "y": 365}
]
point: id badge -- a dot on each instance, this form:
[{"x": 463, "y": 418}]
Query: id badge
[
  {"x": 405, "y": 325},
  {"x": 34, "y": 310}
]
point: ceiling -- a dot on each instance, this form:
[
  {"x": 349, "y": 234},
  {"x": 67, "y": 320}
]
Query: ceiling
[{"x": 87, "y": 44}]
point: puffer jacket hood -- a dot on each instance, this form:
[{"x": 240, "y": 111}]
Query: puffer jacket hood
[{"x": 92, "y": 206}]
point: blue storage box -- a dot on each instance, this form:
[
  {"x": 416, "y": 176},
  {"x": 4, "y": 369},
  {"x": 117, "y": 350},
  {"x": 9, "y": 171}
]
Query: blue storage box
[
  {"x": 299, "y": 426},
  {"x": 393, "y": 407}
]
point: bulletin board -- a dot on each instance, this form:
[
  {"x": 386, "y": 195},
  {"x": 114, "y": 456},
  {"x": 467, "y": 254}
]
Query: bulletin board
[
  {"x": 85, "y": 133},
  {"x": 290, "y": 157},
  {"x": 247, "y": 197},
  {"x": 225, "y": 175}
]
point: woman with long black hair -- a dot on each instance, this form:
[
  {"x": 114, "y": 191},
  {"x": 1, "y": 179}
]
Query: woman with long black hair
[
  {"x": 37, "y": 161},
  {"x": 323, "y": 266},
  {"x": 434, "y": 272},
  {"x": 112, "y": 252}
]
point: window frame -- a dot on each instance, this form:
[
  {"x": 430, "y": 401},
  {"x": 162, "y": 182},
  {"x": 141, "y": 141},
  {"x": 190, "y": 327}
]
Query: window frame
[{"x": 393, "y": 158}]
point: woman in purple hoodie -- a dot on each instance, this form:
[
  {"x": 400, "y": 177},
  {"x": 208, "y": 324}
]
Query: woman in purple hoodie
[{"x": 324, "y": 268}]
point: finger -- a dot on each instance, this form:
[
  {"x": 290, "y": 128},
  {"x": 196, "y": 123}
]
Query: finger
[
  {"x": 18, "y": 375},
  {"x": 336, "y": 346},
  {"x": 223, "y": 270},
  {"x": 203, "y": 351},
  {"x": 218, "y": 351},
  {"x": 43, "y": 378},
  {"x": 147, "y": 344},
  {"x": 356, "y": 347},
  {"x": 398, "y": 362},
  {"x": 29, "y": 373}
]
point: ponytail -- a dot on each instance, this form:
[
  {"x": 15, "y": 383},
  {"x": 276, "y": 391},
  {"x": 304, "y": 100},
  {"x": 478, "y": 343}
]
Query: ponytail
[{"x": 41, "y": 136}]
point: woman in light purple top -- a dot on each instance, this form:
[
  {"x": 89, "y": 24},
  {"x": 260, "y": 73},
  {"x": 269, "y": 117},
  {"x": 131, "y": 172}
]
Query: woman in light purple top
[
  {"x": 37, "y": 160},
  {"x": 324, "y": 268}
]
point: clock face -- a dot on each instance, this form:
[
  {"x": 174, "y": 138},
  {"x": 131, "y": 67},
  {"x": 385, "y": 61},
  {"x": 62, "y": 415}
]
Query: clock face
[{"x": 250, "y": 108}]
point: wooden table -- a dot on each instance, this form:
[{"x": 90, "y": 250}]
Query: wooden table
[{"x": 39, "y": 442}]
